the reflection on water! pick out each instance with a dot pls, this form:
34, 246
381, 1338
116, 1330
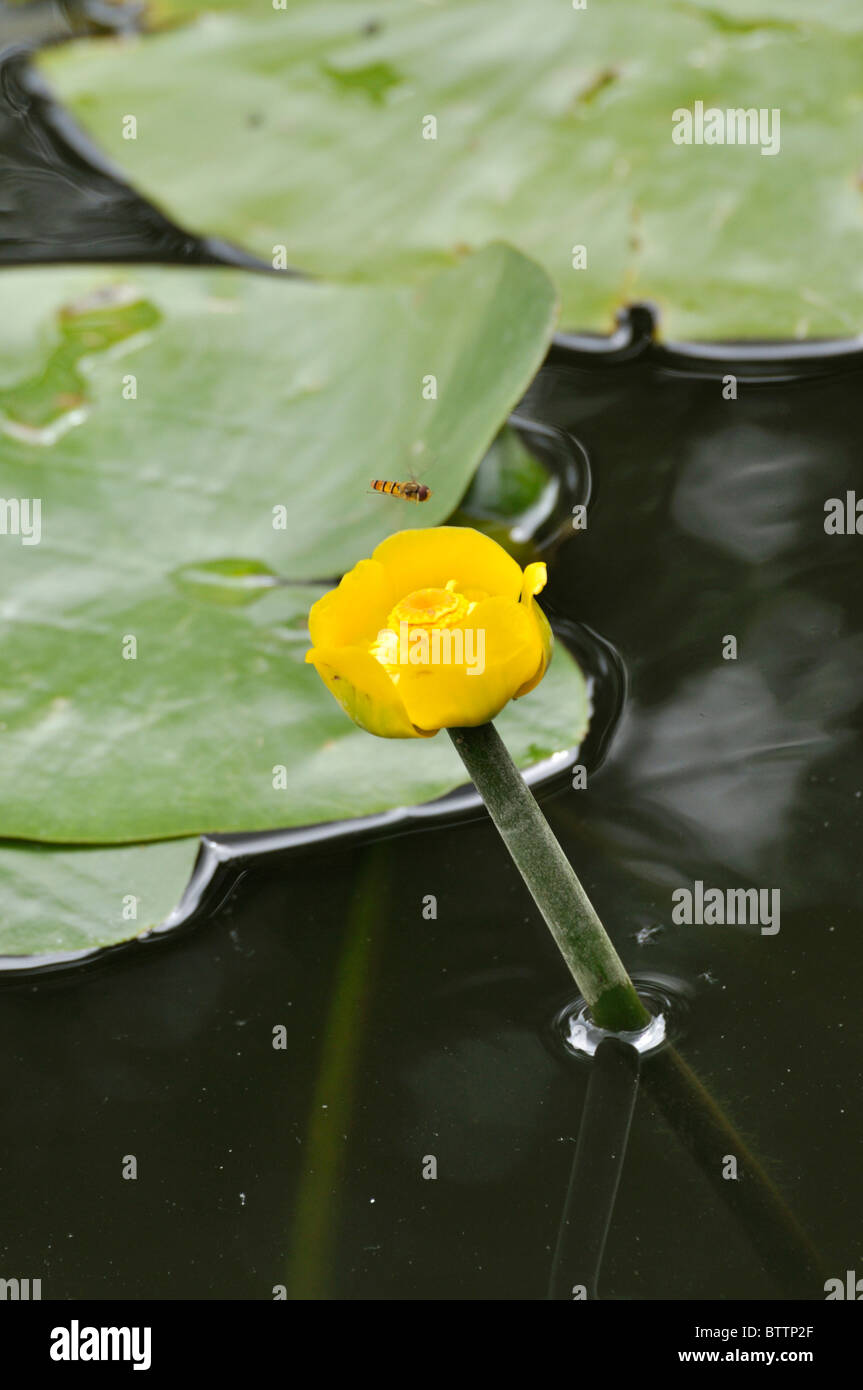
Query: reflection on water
738, 494
707, 761
717, 759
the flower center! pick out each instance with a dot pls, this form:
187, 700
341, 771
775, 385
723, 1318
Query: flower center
415, 621
429, 608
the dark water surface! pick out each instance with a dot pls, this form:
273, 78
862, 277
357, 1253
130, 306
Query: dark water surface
406, 1038
61, 199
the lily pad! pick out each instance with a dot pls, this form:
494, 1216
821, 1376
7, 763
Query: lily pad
153, 679
217, 724
304, 129
248, 419
58, 900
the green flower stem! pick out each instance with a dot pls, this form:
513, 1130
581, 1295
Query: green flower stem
776, 1234
581, 938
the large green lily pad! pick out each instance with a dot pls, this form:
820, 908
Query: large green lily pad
217, 725
153, 671
153, 679
303, 128
55, 900
252, 394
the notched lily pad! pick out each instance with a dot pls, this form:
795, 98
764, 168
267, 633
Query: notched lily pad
552, 128
143, 696
525, 489
509, 482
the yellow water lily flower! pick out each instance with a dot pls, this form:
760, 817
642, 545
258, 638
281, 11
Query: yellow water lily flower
439, 629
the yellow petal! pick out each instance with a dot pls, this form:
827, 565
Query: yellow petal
534, 580
428, 559
364, 690
546, 639
445, 696
356, 610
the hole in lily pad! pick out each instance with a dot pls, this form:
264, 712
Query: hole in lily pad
41, 407
373, 80
524, 490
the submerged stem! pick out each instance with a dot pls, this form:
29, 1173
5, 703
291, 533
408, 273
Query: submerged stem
581, 938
